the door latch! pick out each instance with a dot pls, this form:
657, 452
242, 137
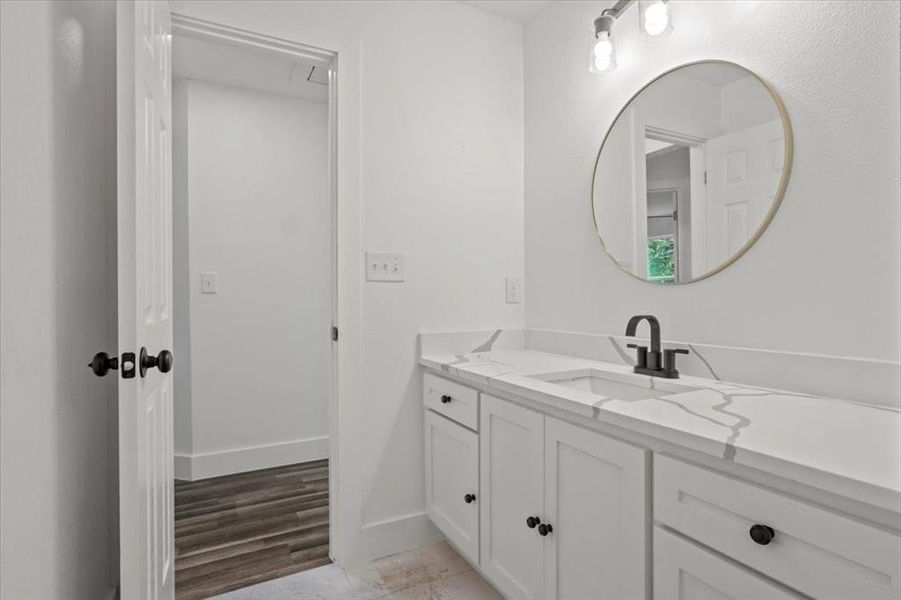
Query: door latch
103, 363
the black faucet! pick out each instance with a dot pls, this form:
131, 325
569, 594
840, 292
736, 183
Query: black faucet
649, 362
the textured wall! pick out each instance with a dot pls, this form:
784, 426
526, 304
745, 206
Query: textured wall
57, 304
825, 276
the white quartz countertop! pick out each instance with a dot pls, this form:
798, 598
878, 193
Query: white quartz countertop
847, 448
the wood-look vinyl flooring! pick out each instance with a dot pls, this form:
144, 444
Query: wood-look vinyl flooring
239, 530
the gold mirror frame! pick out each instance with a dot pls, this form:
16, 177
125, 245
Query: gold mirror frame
777, 199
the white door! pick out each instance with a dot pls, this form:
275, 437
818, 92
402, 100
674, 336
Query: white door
684, 571
597, 500
452, 482
145, 298
744, 169
512, 478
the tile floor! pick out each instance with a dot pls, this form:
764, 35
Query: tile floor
434, 572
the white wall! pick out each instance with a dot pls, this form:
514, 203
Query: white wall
745, 103
57, 299
255, 169
825, 276
430, 164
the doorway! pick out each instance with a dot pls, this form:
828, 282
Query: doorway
674, 181
254, 280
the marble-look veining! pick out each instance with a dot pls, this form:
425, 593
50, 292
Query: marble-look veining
467, 342
848, 448
434, 572
869, 380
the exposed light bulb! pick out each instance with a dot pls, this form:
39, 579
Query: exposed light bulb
656, 18
604, 59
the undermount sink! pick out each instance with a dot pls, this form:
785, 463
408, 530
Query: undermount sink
621, 386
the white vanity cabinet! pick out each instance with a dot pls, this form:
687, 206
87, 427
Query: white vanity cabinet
452, 482
596, 497
820, 553
686, 571
512, 485
452, 462
549, 509
587, 490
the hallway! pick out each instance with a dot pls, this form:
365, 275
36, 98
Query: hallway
238, 530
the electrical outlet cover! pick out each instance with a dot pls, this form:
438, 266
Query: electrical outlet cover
513, 289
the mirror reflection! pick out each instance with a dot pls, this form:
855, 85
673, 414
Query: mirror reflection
691, 172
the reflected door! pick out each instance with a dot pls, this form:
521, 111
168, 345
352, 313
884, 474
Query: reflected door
744, 169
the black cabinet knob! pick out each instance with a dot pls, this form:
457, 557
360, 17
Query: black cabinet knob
544, 529
469, 498
762, 534
163, 361
103, 363
532, 522
445, 399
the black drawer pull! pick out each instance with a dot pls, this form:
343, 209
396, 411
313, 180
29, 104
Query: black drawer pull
469, 498
544, 529
445, 399
532, 522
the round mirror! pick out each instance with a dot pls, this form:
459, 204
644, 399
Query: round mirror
691, 172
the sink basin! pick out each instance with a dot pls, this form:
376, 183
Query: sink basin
621, 386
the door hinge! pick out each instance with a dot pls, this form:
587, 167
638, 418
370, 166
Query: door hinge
705, 177
334, 333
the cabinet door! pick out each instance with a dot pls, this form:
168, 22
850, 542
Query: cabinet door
597, 501
512, 477
685, 571
452, 482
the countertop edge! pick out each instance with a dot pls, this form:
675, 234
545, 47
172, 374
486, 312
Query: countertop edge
882, 498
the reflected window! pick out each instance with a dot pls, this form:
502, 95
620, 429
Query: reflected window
662, 259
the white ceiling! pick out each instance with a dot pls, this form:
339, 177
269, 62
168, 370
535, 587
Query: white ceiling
247, 68
514, 10
718, 74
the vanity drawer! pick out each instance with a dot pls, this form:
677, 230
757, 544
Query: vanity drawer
817, 552
453, 400
686, 571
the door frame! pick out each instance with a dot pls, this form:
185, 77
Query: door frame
697, 147
320, 57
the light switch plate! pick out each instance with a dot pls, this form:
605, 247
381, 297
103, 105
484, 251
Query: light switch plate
385, 266
207, 282
513, 287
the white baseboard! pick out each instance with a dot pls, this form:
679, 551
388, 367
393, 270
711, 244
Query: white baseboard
391, 536
191, 467
183, 467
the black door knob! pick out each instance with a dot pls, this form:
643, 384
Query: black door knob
163, 361
532, 522
103, 363
762, 534
469, 498
445, 399
544, 529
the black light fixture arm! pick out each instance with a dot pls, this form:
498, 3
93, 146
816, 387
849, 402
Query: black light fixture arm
617, 9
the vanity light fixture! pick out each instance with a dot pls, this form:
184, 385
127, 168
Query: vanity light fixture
603, 53
655, 20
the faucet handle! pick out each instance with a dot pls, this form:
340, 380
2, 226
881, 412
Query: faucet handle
669, 361
641, 355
